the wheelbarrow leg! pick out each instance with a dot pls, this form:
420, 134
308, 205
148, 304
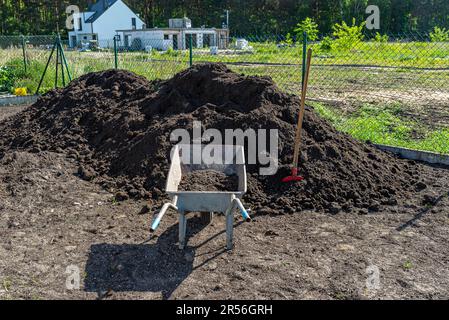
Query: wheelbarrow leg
229, 227
182, 230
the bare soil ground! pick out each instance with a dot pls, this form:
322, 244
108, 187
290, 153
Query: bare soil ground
52, 222
9, 110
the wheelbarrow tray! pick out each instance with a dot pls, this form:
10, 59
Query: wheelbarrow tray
233, 163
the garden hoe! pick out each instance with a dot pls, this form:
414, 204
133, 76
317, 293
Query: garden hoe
294, 173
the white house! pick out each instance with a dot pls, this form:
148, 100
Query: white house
100, 22
176, 36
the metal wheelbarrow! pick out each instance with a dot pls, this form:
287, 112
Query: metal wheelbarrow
186, 158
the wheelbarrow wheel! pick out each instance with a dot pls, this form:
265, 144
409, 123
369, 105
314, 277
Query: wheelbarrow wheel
206, 217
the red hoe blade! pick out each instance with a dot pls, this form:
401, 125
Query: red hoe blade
294, 176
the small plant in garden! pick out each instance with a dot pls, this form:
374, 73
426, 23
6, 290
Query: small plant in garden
348, 36
326, 44
114, 201
309, 26
288, 39
381, 38
172, 53
439, 35
407, 265
7, 284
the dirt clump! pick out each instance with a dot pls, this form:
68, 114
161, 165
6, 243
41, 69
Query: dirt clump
208, 180
117, 126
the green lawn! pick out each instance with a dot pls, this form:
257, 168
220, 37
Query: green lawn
383, 124
393, 54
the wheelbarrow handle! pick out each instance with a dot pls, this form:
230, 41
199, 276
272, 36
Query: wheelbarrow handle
161, 214
243, 211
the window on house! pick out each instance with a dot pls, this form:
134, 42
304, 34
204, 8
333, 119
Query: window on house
94, 37
80, 25
133, 23
166, 37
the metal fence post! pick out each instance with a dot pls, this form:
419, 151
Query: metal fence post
64, 62
115, 52
24, 53
190, 50
304, 55
61, 62
57, 62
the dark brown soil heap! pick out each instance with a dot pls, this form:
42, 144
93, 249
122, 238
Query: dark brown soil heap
208, 180
118, 125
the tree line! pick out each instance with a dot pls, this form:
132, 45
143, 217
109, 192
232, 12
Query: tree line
247, 17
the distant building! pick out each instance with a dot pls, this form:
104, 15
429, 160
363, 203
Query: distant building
100, 22
176, 36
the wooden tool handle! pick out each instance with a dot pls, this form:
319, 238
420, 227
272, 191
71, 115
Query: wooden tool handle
301, 111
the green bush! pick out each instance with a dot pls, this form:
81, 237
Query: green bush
348, 37
31, 78
309, 26
10, 72
439, 35
7, 79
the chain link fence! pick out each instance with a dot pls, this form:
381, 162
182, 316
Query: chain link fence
387, 89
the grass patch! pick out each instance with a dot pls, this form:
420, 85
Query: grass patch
384, 125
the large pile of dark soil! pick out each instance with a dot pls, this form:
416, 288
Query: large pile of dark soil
118, 125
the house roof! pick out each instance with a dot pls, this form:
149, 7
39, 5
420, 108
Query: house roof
99, 8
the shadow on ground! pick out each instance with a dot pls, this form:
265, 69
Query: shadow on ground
159, 267
431, 203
